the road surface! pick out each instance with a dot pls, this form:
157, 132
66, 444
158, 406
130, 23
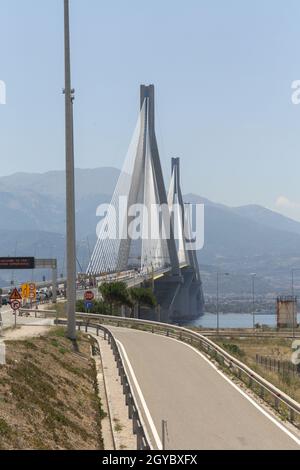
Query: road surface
203, 409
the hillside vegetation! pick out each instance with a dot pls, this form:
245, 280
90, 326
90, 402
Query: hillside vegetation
48, 395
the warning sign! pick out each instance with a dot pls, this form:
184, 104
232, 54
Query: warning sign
25, 291
15, 295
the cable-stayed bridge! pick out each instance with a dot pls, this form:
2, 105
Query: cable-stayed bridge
145, 234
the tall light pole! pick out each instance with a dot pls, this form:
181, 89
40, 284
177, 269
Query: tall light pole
293, 295
253, 276
70, 184
218, 314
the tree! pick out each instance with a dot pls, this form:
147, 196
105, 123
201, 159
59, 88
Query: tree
115, 293
142, 297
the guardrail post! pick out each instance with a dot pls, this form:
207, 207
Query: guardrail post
262, 392
121, 374
79, 326
167, 332
139, 439
97, 331
292, 415
134, 422
276, 403
126, 392
130, 407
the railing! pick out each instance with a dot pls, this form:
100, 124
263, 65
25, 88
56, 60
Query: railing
143, 442
283, 404
280, 367
287, 407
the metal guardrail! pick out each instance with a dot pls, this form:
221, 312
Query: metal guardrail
283, 404
143, 442
287, 407
247, 333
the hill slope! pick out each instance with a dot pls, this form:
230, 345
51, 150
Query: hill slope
49, 401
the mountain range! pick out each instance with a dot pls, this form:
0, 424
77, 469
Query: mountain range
238, 239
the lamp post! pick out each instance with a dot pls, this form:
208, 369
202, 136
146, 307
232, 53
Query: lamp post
293, 295
253, 276
70, 183
218, 314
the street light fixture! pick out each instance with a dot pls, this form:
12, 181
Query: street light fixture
218, 315
253, 276
293, 296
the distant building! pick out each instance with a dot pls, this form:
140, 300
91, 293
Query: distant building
286, 312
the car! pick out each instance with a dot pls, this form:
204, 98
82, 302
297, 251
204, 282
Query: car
5, 300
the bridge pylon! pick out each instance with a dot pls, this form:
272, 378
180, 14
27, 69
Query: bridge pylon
187, 301
156, 250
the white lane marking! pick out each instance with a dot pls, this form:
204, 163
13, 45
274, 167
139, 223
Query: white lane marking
254, 403
142, 399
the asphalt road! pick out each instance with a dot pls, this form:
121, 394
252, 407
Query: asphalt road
203, 410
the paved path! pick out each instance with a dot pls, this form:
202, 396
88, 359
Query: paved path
202, 408
26, 326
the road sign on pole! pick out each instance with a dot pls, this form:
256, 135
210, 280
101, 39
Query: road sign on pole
25, 291
15, 295
17, 263
15, 305
89, 296
88, 305
32, 291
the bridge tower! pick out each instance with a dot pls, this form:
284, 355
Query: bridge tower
190, 300
161, 257
147, 183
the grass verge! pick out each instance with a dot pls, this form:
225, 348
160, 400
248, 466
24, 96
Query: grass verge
48, 395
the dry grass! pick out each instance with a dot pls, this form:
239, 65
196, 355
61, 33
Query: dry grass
48, 395
245, 349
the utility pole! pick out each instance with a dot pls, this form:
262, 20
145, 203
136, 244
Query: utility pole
218, 313
218, 322
253, 275
70, 183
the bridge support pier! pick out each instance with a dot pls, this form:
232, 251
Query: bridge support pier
179, 298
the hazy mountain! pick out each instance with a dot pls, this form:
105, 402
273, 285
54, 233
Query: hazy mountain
268, 217
87, 182
255, 213
239, 239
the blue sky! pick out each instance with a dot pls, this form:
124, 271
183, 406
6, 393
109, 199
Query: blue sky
222, 71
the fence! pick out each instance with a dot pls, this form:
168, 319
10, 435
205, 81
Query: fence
281, 367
